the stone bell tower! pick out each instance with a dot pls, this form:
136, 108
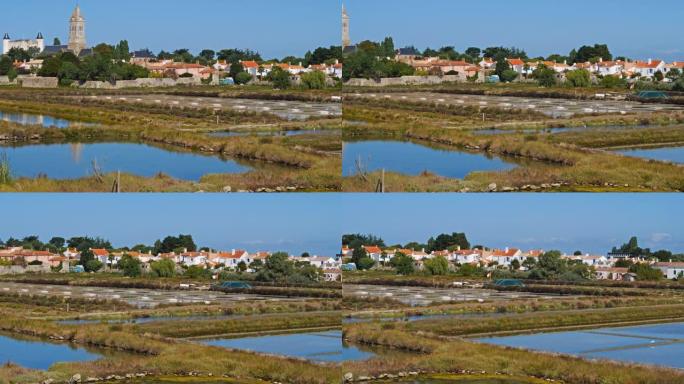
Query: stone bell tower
77, 36
346, 41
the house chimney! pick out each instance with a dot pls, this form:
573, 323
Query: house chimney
600, 59
650, 61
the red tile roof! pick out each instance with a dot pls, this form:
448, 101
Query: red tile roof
100, 252
372, 249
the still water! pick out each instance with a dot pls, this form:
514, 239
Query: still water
671, 154
413, 159
73, 161
660, 344
44, 120
325, 346
35, 354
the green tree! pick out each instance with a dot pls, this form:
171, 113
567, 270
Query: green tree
242, 266
277, 268
358, 253
446, 241
242, 78
674, 74
578, 78
58, 242
646, 272
387, 47
208, 54
234, 69
50, 67
546, 77
658, 76
437, 266
163, 268
313, 80
356, 240
93, 265
5, 65
56, 41
122, 52
365, 263
130, 266
473, 52
175, 243
402, 264
280, 78
508, 75
589, 53
18, 54
197, 272
613, 82
86, 256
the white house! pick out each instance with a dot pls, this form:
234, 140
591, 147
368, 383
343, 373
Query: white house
671, 270
373, 252
465, 256
102, 255
322, 262
649, 68
506, 256
610, 68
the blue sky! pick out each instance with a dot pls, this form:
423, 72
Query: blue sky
568, 222
630, 27
272, 27
315, 222
293, 223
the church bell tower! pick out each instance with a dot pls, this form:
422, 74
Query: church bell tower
77, 36
346, 41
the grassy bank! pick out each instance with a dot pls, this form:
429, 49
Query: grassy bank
549, 321
159, 356
457, 355
237, 326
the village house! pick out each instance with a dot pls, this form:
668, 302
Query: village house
506, 256
322, 262
465, 256
346, 251
671, 270
649, 68
373, 252
612, 273
102, 255
518, 65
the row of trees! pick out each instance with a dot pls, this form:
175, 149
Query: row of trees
107, 63
373, 60
320, 55
474, 54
